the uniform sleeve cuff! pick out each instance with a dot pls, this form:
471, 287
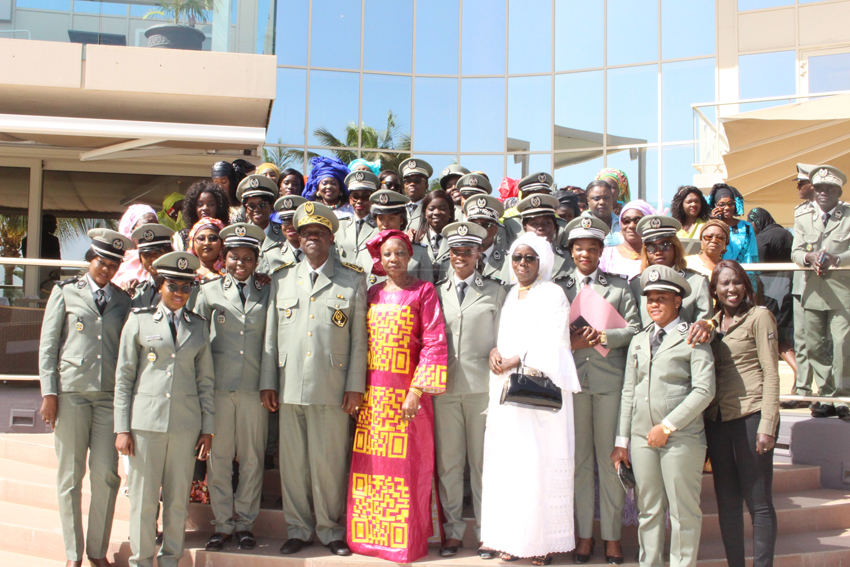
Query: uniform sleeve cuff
666, 423
621, 442
48, 394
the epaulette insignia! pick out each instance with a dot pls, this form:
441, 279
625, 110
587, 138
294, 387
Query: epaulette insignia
683, 327
282, 266
63, 283
354, 267
803, 204
210, 280
144, 309
801, 211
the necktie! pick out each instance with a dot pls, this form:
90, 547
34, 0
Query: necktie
586, 282
435, 242
825, 218
358, 225
298, 254
242, 292
100, 300
461, 292
173, 325
656, 342
313, 277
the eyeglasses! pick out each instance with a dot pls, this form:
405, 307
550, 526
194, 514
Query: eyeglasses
662, 247
207, 238
529, 258
184, 289
460, 253
726, 205
629, 220
261, 206
714, 237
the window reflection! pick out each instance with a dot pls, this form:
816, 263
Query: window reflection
482, 115
436, 115
61, 5
576, 168
529, 36
492, 165
520, 165
291, 36
633, 104
632, 31
641, 167
829, 73
678, 169
386, 111
334, 99
103, 8
530, 113
437, 23
388, 35
335, 37
584, 50
439, 162
579, 107
680, 37
766, 74
483, 37
682, 84
759, 4
286, 124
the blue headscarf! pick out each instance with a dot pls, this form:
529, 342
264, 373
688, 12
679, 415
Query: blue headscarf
323, 167
374, 166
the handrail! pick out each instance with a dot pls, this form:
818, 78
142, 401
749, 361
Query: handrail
767, 99
43, 263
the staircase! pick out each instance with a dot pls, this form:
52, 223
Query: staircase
814, 523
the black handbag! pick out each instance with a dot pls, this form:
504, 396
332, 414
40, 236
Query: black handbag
531, 390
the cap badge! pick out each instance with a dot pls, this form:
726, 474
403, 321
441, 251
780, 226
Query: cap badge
254, 183
411, 164
240, 231
473, 182
182, 264
118, 244
482, 202
148, 235
541, 178
384, 199
654, 223
445, 172
287, 203
462, 230
654, 276
535, 201
359, 176
586, 222
309, 208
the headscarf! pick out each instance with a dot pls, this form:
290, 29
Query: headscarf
323, 167
721, 225
638, 205
204, 223
723, 191
131, 268
622, 180
266, 166
374, 247
374, 166
761, 219
544, 252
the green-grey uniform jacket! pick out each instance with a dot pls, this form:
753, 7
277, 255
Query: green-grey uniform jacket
497, 265
347, 240
563, 264
77, 359
145, 295
698, 305
415, 215
276, 256
832, 290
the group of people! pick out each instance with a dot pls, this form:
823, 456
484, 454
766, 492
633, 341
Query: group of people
369, 327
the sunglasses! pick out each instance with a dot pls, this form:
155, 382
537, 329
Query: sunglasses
261, 206
518, 258
714, 237
460, 253
629, 220
663, 247
175, 288
209, 238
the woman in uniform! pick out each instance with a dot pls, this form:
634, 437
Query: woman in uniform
153, 242
164, 409
668, 385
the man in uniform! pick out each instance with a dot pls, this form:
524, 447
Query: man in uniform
258, 193
472, 305
361, 226
821, 243
473, 184
288, 250
236, 307
415, 173
485, 211
153, 242
539, 183
538, 215
314, 363
77, 357
448, 183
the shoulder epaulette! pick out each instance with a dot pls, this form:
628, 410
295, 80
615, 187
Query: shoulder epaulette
354, 267
419, 244
285, 265
442, 281
210, 280
138, 310
648, 327
63, 283
802, 210
804, 204
197, 315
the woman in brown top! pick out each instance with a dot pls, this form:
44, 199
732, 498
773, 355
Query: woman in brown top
742, 421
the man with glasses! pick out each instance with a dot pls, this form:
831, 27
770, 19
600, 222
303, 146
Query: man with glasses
485, 211
153, 242
472, 305
361, 226
415, 173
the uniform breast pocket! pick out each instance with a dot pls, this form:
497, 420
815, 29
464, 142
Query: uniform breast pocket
337, 312
287, 311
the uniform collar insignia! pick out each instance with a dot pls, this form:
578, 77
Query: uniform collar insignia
570, 282
276, 228
838, 214
257, 284
82, 282
602, 279
497, 255
186, 316
478, 281
683, 327
682, 273
227, 282
157, 316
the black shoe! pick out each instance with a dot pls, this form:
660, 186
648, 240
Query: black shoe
611, 559
339, 547
449, 550
485, 553
823, 410
795, 404
217, 541
246, 540
581, 558
843, 412
294, 545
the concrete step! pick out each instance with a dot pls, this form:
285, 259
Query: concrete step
8, 559
36, 449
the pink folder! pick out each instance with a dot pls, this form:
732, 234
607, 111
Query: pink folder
598, 313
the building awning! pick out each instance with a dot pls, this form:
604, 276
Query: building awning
765, 146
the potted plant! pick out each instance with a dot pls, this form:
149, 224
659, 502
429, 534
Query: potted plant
175, 35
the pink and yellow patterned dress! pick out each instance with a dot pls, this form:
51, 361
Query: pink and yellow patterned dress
390, 495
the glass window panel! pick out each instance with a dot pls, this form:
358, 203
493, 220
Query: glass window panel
641, 167
759, 4
435, 115
582, 51
482, 115
265, 27
683, 84
687, 28
438, 162
388, 35
335, 38
136, 10
633, 105
483, 38
334, 101
766, 74
437, 35
324, 153
829, 73
530, 36
60, 5
579, 105
520, 165
286, 125
677, 163
105, 8
576, 169
530, 113
291, 37
492, 165
632, 31
382, 95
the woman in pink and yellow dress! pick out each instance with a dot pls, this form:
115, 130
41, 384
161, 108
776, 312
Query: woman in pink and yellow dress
391, 496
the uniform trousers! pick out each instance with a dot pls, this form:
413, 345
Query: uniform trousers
829, 372
161, 461
241, 422
742, 476
596, 417
803, 384
669, 477
314, 447
85, 425
459, 438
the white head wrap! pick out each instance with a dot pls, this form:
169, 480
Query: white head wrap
544, 251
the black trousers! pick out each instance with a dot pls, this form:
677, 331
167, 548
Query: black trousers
742, 476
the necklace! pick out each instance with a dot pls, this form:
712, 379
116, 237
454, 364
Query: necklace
526, 287
632, 255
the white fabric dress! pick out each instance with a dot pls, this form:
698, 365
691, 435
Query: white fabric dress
527, 500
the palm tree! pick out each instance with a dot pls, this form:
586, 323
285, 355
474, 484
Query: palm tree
12, 232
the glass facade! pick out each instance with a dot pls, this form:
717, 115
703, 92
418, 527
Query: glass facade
509, 88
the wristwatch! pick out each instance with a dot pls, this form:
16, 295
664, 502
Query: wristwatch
666, 430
